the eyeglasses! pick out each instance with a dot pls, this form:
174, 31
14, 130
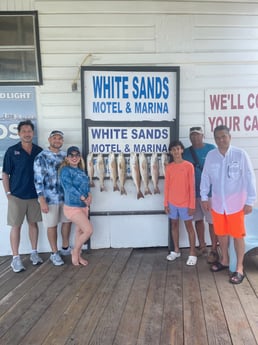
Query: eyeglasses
74, 155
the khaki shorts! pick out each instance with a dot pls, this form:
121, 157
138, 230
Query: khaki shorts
54, 216
19, 208
200, 213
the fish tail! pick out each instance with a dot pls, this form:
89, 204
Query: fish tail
147, 191
140, 195
116, 188
156, 190
123, 191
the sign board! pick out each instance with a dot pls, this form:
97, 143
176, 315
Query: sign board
16, 104
235, 108
126, 110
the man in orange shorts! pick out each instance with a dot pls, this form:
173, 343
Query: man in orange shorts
230, 173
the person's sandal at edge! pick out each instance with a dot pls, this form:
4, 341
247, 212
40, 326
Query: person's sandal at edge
236, 278
218, 266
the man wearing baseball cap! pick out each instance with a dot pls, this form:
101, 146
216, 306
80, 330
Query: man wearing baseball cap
50, 195
196, 154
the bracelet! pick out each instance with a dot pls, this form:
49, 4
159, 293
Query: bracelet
83, 198
8, 193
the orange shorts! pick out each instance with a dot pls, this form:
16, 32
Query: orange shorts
229, 224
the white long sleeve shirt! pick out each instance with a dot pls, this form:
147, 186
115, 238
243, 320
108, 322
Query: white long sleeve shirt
232, 180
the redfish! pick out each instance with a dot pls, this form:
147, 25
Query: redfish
135, 172
121, 168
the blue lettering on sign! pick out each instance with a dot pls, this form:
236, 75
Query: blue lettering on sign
151, 108
150, 87
106, 107
149, 133
110, 86
105, 148
109, 133
149, 148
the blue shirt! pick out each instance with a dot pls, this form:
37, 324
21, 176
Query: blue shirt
18, 164
75, 183
46, 179
201, 154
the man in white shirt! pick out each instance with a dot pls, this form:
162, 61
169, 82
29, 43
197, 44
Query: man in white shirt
230, 173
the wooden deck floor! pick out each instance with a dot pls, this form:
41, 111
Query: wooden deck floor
124, 297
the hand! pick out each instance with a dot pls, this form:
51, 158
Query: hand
43, 205
88, 200
247, 209
166, 209
191, 211
206, 205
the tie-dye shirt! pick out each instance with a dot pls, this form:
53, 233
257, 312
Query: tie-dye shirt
46, 178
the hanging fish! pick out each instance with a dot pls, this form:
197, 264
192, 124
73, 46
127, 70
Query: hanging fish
113, 170
155, 172
101, 171
143, 163
121, 167
90, 168
135, 172
164, 162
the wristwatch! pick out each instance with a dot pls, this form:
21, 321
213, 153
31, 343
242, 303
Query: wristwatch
8, 193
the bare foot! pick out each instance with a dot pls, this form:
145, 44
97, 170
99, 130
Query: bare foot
83, 261
75, 258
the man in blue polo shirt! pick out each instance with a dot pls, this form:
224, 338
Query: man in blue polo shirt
18, 182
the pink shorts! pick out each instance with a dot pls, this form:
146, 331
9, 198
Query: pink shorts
70, 212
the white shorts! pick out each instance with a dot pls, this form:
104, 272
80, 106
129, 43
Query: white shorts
54, 216
200, 213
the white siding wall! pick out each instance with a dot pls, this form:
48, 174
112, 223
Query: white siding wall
214, 43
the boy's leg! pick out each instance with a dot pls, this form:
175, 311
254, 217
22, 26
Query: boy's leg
191, 236
175, 233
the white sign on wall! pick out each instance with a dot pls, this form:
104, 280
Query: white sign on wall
235, 108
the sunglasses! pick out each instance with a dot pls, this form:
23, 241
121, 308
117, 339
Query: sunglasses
74, 155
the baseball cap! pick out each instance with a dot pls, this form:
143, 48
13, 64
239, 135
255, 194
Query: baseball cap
56, 132
196, 130
73, 149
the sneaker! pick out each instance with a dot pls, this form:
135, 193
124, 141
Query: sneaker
35, 258
17, 265
212, 257
65, 252
56, 259
173, 256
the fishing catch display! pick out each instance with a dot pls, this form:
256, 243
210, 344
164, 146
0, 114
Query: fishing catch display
143, 170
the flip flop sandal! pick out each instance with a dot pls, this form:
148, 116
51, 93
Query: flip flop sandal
236, 278
218, 266
192, 260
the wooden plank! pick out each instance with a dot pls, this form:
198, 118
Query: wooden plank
62, 331
18, 319
216, 325
150, 329
172, 332
13, 291
195, 332
237, 322
128, 330
94, 310
55, 311
249, 301
108, 323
